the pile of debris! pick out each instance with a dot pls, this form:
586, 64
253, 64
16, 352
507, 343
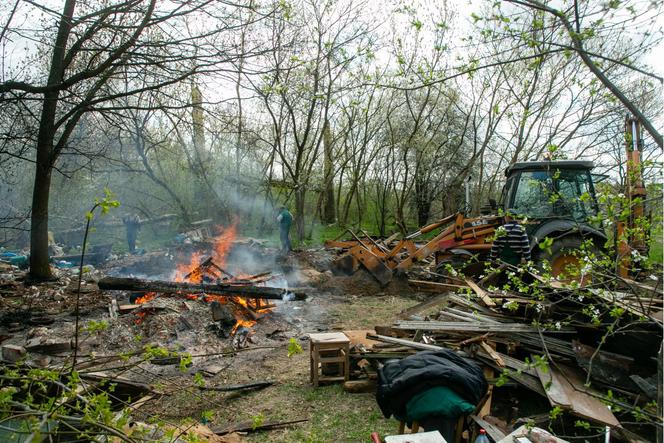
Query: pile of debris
577, 349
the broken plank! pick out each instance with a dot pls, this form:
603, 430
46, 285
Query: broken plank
492, 354
555, 284
123, 309
494, 431
360, 337
617, 298
407, 343
244, 291
481, 293
431, 286
250, 426
526, 380
492, 276
420, 307
441, 326
566, 389
141, 401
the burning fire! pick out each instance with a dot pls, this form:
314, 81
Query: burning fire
140, 316
242, 322
145, 298
184, 269
199, 266
223, 243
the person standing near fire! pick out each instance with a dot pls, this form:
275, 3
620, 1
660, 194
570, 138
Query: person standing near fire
133, 224
285, 220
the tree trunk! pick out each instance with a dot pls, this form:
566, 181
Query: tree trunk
39, 259
300, 195
422, 199
39, 267
328, 215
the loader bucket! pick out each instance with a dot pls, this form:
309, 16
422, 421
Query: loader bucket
372, 263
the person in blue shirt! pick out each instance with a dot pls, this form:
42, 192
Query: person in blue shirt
285, 219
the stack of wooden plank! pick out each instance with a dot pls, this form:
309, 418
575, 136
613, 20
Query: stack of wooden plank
579, 348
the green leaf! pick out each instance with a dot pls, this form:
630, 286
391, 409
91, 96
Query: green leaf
293, 347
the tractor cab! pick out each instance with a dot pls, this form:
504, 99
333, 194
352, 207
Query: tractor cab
550, 190
557, 200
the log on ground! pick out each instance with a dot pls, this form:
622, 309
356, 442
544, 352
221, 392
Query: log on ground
244, 291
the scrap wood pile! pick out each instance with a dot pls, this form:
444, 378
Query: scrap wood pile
578, 349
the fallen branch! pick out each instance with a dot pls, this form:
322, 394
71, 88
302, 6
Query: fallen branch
231, 388
248, 426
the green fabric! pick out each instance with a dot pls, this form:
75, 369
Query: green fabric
508, 255
440, 401
286, 218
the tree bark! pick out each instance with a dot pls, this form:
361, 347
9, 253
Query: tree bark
328, 215
39, 260
300, 195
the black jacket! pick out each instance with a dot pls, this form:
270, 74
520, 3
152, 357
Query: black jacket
399, 380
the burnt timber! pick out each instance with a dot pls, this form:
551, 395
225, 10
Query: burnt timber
225, 289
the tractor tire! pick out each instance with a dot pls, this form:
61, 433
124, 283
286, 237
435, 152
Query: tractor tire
563, 256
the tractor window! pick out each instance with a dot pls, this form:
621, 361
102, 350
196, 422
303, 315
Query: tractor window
504, 194
574, 194
533, 195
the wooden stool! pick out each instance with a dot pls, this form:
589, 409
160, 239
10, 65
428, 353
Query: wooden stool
327, 348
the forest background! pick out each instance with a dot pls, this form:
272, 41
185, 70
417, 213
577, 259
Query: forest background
354, 114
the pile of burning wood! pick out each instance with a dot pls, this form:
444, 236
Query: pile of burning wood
237, 300
589, 354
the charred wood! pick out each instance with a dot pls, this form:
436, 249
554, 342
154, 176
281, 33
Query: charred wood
244, 291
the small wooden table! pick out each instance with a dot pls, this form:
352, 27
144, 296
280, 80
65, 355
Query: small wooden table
326, 348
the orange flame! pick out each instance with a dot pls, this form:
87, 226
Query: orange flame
223, 243
140, 316
242, 322
184, 269
145, 298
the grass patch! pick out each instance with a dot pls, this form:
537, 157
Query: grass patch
334, 416
361, 312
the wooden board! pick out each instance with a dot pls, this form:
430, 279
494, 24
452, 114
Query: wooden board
566, 389
494, 431
420, 307
481, 293
471, 327
359, 337
407, 343
526, 431
432, 286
